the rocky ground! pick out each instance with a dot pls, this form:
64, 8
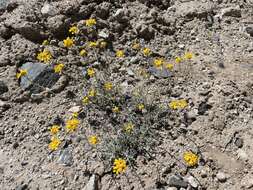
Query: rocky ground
218, 88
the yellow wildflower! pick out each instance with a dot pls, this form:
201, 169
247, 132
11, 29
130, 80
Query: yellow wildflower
75, 115
72, 124
190, 159
178, 60
54, 144
90, 22
22, 72
178, 104
58, 68
136, 46
91, 72
103, 44
45, 42
73, 30
108, 86
120, 166
44, 56
83, 53
115, 109
120, 53
68, 42
54, 129
169, 66
91, 93
140, 107
128, 127
146, 51
93, 44
93, 140
158, 63
188, 55
86, 100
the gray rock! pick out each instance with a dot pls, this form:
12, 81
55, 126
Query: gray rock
193, 181
177, 181
92, 184
160, 73
242, 155
3, 4
247, 181
22, 187
66, 157
3, 88
239, 142
221, 177
249, 30
48, 10
231, 11
130, 72
144, 31
171, 188
103, 9
104, 34
39, 76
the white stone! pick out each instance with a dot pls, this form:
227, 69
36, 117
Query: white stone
75, 109
48, 9
92, 184
193, 181
242, 155
221, 176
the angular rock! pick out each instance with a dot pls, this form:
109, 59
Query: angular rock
194, 8
92, 184
249, 30
160, 73
66, 157
48, 10
193, 181
3, 88
221, 177
231, 11
144, 31
177, 181
39, 76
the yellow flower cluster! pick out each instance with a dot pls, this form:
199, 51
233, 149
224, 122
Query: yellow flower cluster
120, 53
91, 72
54, 129
108, 86
93, 44
68, 42
140, 107
128, 127
58, 68
73, 30
120, 166
72, 124
44, 56
93, 140
90, 22
190, 159
83, 53
115, 109
158, 63
178, 104
22, 72
146, 51
55, 143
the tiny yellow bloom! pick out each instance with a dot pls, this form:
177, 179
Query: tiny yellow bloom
86, 100
169, 66
188, 55
58, 68
140, 107
45, 42
146, 51
136, 46
115, 109
90, 22
178, 104
75, 115
128, 127
178, 60
93, 140
93, 44
91, 93
91, 72
44, 56
120, 166
73, 30
54, 129
158, 63
103, 44
83, 53
54, 144
120, 53
190, 159
72, 124
108, 86
22, 72
68, 42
